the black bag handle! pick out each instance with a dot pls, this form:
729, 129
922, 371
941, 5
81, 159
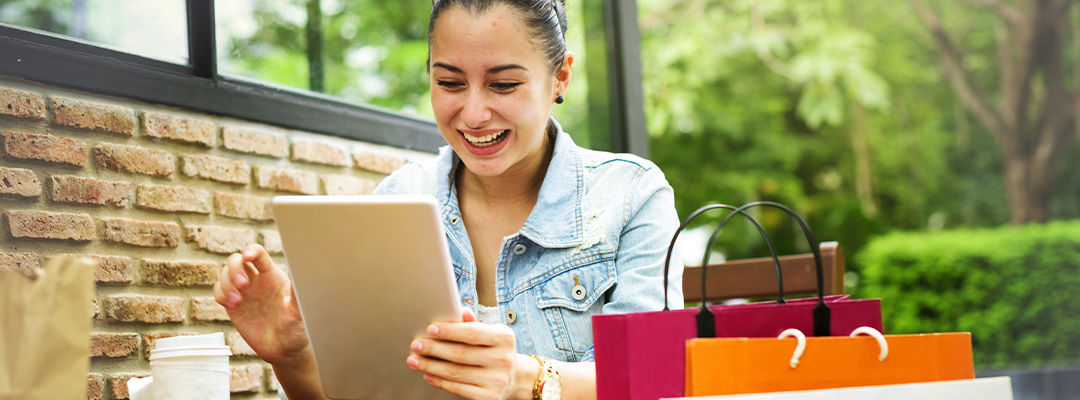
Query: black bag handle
702, 210
822, 315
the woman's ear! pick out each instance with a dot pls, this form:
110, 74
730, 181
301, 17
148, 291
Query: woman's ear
562, 76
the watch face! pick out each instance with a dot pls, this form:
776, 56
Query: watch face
552, 389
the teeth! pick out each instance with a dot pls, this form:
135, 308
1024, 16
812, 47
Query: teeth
484, 140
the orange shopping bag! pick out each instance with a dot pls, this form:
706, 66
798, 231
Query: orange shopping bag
754, 365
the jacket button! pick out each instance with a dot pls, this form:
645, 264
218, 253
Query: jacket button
578, 292
454, 220
520, 249
511, 316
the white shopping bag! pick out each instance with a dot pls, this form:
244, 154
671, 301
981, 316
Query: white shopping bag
996, 388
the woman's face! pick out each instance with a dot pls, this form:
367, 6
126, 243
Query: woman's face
491, 89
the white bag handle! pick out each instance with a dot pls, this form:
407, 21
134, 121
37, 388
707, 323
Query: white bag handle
866, 330
800, 346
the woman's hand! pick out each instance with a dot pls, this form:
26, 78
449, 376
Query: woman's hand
473, 360
262, 306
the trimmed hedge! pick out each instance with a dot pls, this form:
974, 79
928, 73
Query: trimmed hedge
1016, 289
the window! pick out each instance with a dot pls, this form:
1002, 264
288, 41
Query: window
364, 79
155, 29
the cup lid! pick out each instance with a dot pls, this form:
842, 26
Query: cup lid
213, 339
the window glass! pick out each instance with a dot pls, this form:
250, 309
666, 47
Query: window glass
155, 29
374, 52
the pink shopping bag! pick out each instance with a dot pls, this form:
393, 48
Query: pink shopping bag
641, 356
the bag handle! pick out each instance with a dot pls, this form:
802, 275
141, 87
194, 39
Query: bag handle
702, 210
822, 315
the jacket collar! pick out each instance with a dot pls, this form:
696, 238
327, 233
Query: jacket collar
555, 221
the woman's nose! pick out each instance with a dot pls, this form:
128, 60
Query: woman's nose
476, 112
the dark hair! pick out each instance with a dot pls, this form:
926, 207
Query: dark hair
546, 19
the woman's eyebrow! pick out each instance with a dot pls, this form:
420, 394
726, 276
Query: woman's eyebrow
492, 70
448, 67
501, 68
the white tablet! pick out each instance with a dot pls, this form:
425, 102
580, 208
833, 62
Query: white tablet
370, 273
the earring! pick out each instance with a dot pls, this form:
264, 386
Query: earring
559, 100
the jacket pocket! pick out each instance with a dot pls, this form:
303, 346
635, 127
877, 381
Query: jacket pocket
570, 299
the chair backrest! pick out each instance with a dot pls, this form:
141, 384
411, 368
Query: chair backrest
756, 277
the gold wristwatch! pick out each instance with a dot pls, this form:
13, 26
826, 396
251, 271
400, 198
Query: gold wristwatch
548, 384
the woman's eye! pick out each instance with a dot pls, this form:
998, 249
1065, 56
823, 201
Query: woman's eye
504, 86
450, 84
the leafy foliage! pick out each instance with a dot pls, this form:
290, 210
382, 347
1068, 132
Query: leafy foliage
1011, 287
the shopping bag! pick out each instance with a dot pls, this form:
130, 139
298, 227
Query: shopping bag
996, 388
45, 330
641, 356
716, 366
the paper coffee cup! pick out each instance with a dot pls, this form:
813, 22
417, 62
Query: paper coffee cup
191, 367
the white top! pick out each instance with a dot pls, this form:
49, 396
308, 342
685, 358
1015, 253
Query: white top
489, 315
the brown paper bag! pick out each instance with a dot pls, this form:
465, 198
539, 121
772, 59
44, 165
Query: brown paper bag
45, 330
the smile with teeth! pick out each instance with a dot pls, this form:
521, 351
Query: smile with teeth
485, 141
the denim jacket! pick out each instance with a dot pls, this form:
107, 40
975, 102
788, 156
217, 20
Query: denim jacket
594, 244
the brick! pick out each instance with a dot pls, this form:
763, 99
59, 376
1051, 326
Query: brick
110, 269
287, 180
146, 309
48, 225
207, 309
22, 262
271, 379
216, 239
83, 190
49, 148
19, 182
114, 345
180, 273
142, 233
347, 185
135, 159
246, 378
238, 345
149, 339
271, 240
255, 141
181, 129
95, 386
20, 104
320, 153
378, 160
118, 384
243, 207
93, 116
173, 199
216, 168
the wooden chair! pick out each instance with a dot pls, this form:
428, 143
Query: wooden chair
756, 277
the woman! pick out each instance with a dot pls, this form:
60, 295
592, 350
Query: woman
543, 233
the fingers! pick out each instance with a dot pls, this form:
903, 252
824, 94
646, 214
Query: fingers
473, 333
464, 380
461, 353
467, 315
461, 389
258, 257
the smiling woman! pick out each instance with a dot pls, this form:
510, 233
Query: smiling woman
543, 234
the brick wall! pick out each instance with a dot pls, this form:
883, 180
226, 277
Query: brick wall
158, 197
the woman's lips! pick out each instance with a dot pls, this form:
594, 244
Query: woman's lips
485, 142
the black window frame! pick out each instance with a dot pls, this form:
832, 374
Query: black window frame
65, 62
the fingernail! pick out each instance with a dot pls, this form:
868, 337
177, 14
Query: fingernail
417, 346
234, 298
429, 379
249, 253
240, 279
412, 361
433, 329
